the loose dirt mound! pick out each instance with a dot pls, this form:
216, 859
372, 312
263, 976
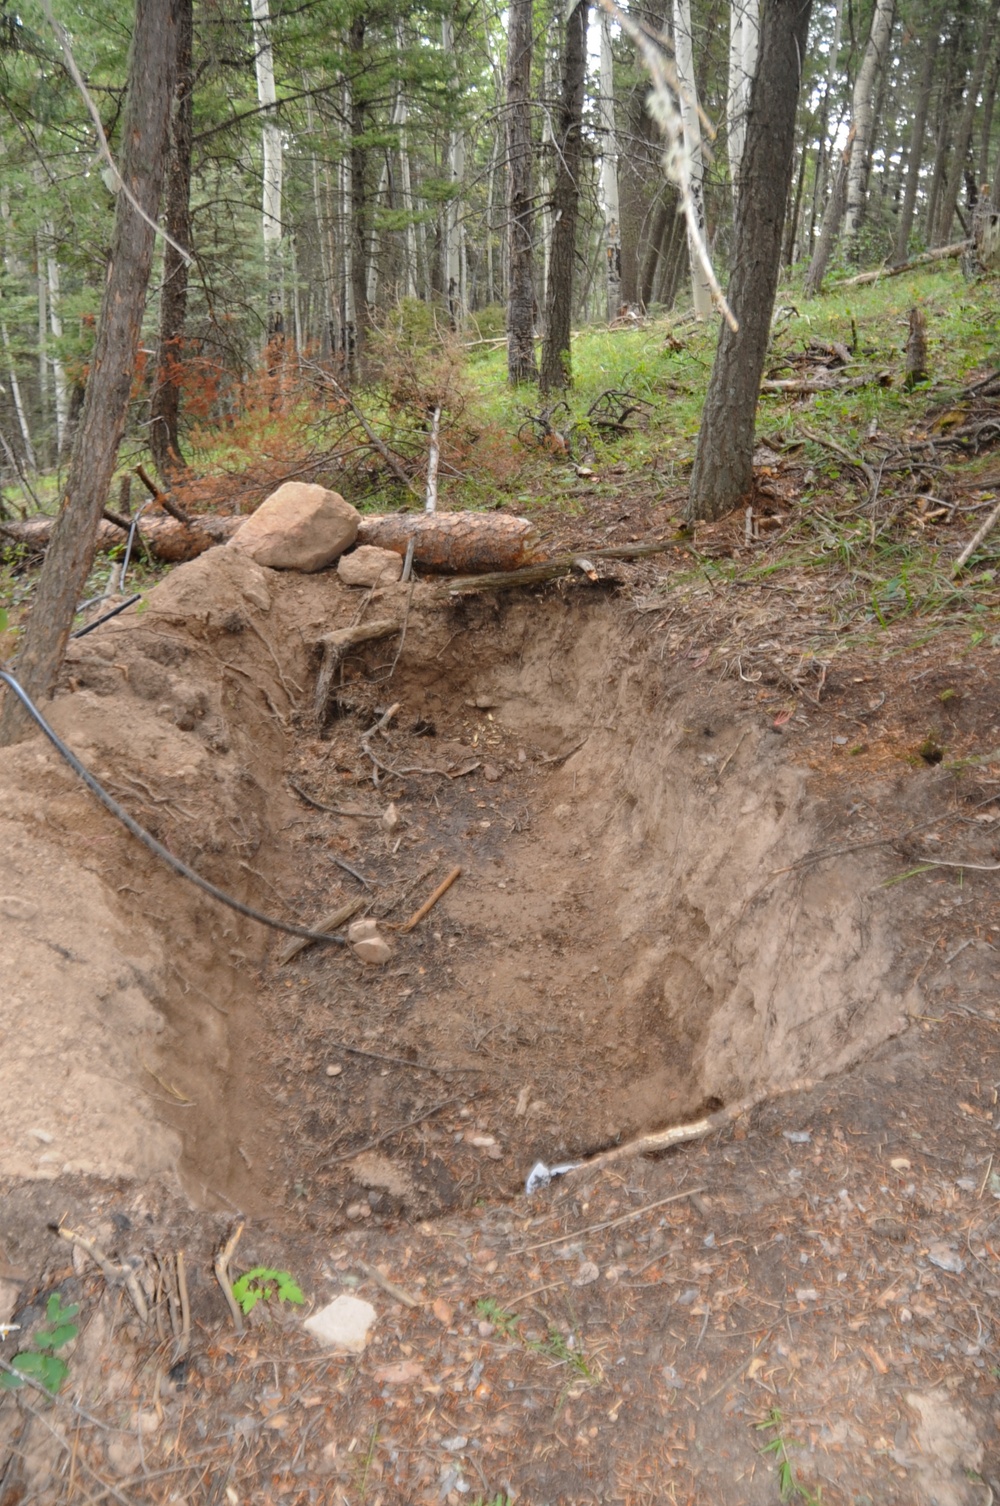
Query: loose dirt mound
642, 928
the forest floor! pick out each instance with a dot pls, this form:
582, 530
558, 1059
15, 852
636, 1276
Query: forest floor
727, 819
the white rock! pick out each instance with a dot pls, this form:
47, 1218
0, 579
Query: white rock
373, 949
298, 527
362, 930
370, 566
343, 1324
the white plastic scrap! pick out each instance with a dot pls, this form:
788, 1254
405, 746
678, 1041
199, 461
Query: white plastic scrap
541, 1175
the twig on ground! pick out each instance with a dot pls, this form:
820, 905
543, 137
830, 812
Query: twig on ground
976, 540
429, 904
222, 1260
113, 1274
184, 1343
329, 922
353, 872
332, 810
838, 449
399, 1061
335, 645
610, 1223
351, 1155
387, 1285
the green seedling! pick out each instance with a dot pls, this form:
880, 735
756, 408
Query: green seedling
505, 1323
789, 1486
41, 1362
264, 1285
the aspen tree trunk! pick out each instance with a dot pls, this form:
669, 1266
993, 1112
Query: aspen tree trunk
915, 156
454, 234
345, 219
145, 136
556, 371
723, 467
701, 292
273, 167
744, 42
43, 332
609, 175
863, 115
60, 386
409, 278
550, 88
521, 365
164, 415
825, 146
14, 271
327, 279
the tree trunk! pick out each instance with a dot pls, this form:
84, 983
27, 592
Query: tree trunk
151, 78
521, 365
744, 44
863, 115
701, 292
824, 149
830, 228
164, 442
915, 156
556, 369
59, 382
655, 249
455, 270
609, 176
723, 466
273, 167
963, 135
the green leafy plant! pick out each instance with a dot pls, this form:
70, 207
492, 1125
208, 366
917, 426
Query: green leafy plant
789, 1486
41, 1362
264, 1285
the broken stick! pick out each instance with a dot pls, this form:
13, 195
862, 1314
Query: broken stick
429, 904
335, 645
976, 540
222, 1260
329, 922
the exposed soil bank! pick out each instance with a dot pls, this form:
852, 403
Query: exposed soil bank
642, 927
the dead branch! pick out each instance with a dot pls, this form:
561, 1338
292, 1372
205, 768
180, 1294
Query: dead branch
329, 922
335, 645
429, 904
546, 570
976, 540
678, 1134
940, 254
373, 439
161, 497
113, 1274
222, 1260
838, 449
433, 457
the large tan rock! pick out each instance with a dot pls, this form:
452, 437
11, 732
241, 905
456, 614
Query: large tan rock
369, 566
298, 527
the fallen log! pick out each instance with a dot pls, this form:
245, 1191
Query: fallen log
539, 573
445, 543
941, 253
167, 540
450, 543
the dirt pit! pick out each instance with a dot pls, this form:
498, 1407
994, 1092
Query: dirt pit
662, 907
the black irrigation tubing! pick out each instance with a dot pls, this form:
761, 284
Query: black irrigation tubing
150, 841
82, 632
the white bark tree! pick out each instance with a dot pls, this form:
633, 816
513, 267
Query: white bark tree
744, 43
273, 164
609, 174
863, 115
59, 384
701, 290
454, 236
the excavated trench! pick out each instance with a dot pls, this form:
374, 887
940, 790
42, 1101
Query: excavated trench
634, 936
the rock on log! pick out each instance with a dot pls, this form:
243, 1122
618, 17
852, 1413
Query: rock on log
456, 543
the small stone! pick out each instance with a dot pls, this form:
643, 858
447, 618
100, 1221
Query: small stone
491, 773
443, 1311
390, 818
362, 930
343, 1324
357, 1211
334, 1069
587, 1274
369, 566
374, 950
299, 527
42, 1135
